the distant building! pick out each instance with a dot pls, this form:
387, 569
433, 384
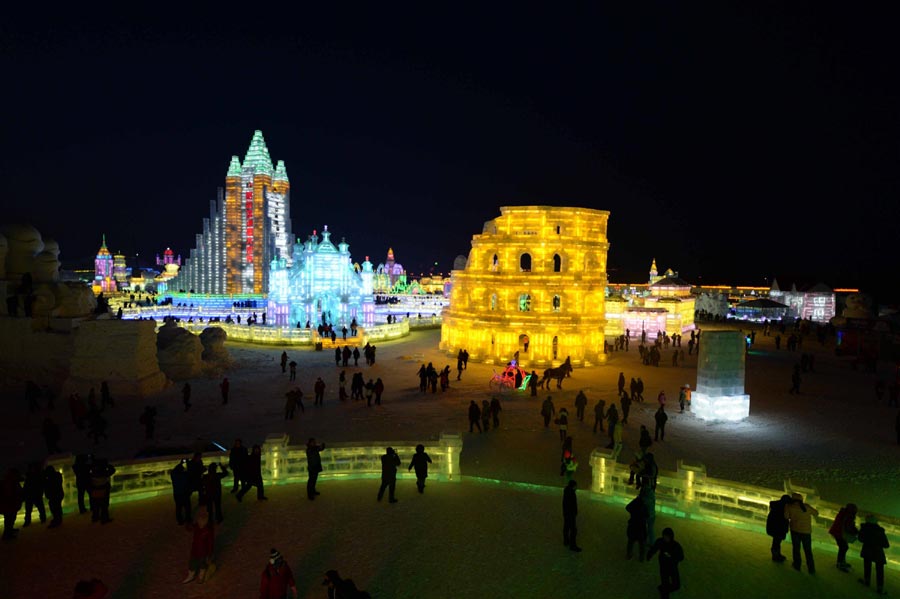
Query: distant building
120, 270
814, 302
168, 257
104, 282
389, 275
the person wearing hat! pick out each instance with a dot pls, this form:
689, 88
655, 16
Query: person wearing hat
277, 579
800, 516
390, 461
874, 542
670, 555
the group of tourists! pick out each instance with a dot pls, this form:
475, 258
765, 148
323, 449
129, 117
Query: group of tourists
791, 514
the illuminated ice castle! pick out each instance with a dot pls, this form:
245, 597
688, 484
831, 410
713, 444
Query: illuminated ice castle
534, 283
248, 227
104, 282
320, 285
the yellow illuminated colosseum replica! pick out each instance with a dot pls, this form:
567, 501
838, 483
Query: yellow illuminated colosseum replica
534, 283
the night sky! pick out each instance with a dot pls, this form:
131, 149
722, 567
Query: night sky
733, 144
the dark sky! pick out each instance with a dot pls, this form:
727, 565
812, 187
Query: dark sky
733, 144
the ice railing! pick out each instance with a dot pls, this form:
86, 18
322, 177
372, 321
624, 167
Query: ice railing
281, 464
277, 335
689, 493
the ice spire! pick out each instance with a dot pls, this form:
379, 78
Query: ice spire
281, 172
234, 169
257, 156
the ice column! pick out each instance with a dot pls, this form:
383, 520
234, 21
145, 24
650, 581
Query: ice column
720, 377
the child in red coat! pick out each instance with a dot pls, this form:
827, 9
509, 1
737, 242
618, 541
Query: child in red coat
201, 546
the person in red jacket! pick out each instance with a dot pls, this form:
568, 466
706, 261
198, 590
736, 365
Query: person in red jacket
277, 579
201, 546
844, 531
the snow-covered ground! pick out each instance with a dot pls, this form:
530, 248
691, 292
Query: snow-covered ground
466, 540
833, 436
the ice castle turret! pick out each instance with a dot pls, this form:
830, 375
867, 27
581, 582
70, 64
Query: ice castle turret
319, 285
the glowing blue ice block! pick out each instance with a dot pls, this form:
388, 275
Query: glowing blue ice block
720, 377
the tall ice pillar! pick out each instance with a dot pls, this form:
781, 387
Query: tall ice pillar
720, 377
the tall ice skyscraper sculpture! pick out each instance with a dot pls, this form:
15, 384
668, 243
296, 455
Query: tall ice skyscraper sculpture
248, 227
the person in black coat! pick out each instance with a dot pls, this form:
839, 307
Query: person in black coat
661, 417
180, 493
313, 466
252, 476
474, 416
82, 470
777, 526
101, 487
420, 461
195, 471
236, 461
212, 490
637, 527
670, 555
390, 461
34, 493
570, 511
874, 542
53, 490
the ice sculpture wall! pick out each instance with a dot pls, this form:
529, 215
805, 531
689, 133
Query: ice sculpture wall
720, 377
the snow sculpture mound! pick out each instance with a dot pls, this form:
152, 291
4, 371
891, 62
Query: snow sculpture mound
120, 352
24, 243
214, 352
179, 352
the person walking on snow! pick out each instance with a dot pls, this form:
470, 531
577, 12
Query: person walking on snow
420, 461
661, 417
474, 416
548, 410
237, 459
640, 390
874, 542
253, 475
390, 461
277, 580
186, 396
636, 531
495, 412
570, 511
670, 555
313, 466
284, 361
661, 398
581, 402
621, 382
599, 414
485, 415
625, 402
563, 422
319, 389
